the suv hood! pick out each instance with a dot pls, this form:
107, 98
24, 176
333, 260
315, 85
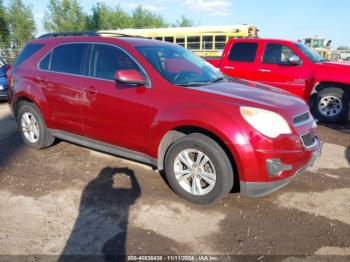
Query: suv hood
254, 94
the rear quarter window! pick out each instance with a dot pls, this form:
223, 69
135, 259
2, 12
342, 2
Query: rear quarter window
45, 62
243, 52
28, 51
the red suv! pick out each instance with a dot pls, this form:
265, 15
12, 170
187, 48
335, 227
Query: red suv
158, 103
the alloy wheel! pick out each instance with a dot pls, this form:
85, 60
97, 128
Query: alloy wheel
30, 127
195, 172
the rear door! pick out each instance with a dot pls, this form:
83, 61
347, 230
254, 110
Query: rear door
240, 60
275, 69
62, 72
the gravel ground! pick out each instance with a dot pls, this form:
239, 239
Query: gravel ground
71, 200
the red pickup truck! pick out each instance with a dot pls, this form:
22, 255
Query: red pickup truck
294, 67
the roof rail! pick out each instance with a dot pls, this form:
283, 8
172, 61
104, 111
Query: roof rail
103, 33
60, 34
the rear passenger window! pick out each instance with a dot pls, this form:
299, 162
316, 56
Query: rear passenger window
69, 58
106, 60
243, 52
28, 51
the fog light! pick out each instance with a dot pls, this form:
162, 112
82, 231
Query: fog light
274, 166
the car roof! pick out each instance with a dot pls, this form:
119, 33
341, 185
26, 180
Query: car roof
276, 40
133, 41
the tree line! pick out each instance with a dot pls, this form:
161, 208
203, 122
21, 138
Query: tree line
17, 23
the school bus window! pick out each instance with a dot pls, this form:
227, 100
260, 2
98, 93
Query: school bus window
180, 41
188, 37
193, 42
234, 37
207, 42
169, 39
220, 41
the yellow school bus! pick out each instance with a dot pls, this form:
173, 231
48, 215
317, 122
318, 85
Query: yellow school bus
206, 41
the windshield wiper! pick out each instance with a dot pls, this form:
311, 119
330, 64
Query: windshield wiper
194, 84
217, 79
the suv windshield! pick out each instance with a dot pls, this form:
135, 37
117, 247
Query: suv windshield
180, 66
310, 53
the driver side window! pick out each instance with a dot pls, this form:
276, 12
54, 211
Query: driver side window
106, 60
277, 54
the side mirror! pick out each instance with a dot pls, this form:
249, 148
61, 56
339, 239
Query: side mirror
130, 77
294, 60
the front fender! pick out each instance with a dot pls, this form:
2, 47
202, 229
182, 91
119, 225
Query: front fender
213, 120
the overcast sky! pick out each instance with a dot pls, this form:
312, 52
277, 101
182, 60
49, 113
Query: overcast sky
288, 19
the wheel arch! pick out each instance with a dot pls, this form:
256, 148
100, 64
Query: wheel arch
26, 91
16, 103
178, 132
319, 86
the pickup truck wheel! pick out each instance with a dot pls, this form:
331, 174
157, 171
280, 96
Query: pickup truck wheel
198, 169
331, 105
32, 128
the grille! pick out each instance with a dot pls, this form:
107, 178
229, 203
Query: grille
300, 119
308, 139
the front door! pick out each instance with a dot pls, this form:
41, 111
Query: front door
276, 70
112, 112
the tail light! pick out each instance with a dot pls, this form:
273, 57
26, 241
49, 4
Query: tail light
9, 78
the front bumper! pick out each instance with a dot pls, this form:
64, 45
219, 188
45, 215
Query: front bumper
258, 189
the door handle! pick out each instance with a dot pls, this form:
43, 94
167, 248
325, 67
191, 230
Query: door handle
229, 67
264, 70
91, 90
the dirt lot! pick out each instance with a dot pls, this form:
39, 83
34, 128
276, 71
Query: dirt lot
71, 200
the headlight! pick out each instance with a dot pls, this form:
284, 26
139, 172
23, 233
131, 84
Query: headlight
266, 122
2, 87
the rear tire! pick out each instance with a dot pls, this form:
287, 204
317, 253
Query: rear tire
206, 176
331, 105
32, 127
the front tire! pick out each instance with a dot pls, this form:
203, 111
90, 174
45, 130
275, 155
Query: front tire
198, 169
331, 105
32, 127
